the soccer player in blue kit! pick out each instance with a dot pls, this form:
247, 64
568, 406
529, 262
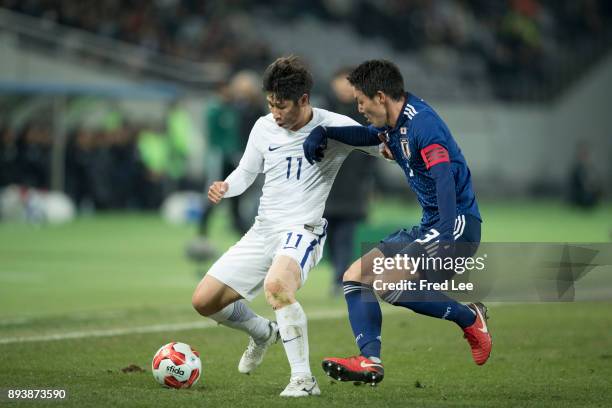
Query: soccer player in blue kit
419, 141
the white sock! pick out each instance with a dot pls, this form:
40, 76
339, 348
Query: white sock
239, 316
294, 333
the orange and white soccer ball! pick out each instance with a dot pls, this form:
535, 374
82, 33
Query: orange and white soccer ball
176, 365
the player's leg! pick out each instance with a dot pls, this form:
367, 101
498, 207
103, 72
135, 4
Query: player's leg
281, 284
366, 321
221, 303
237, 275
364, 311
363, 308
427, 302
470, 318
299, 250
212, 295
415, 244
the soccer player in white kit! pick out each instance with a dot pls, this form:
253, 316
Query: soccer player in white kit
286, 241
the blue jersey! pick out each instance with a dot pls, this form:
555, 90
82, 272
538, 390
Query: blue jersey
420, 140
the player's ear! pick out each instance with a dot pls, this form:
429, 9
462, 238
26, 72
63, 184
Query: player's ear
303, 101
381, 97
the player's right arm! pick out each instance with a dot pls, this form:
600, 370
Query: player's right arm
244, 175
217, 191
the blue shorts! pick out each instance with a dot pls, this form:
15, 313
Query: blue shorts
420, 241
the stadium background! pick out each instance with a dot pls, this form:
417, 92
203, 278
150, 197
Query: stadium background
110, 103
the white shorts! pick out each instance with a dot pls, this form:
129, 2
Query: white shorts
245, 265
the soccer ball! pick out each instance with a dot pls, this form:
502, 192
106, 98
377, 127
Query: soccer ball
176, 365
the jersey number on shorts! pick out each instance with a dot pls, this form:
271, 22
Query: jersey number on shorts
299, 169
298, 238
429, 236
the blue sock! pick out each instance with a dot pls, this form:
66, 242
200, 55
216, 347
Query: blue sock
433, 303
365, 317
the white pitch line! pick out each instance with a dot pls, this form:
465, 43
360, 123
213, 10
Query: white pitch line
158, 328
108, 332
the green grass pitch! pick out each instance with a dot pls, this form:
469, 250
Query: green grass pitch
65, 290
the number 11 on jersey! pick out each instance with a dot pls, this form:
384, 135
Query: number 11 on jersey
299, 164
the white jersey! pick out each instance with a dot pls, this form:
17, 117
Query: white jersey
294, 191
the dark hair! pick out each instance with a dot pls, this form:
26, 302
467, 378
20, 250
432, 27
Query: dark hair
287, 78
378, 75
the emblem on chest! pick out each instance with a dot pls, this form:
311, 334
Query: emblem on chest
405, 145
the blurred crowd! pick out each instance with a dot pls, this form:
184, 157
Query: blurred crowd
524, 43
113, 162
191, 29
104, 167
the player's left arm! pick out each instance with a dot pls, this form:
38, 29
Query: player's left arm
368, 146
316, 142
433, 149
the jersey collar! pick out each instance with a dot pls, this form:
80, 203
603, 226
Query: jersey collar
403, 116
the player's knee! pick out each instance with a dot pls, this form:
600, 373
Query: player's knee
353, 273
203, 304
273, 286
198, 303
277, 294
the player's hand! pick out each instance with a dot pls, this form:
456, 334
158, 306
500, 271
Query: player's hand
216, 191
315, 144
383, 147
385, 152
